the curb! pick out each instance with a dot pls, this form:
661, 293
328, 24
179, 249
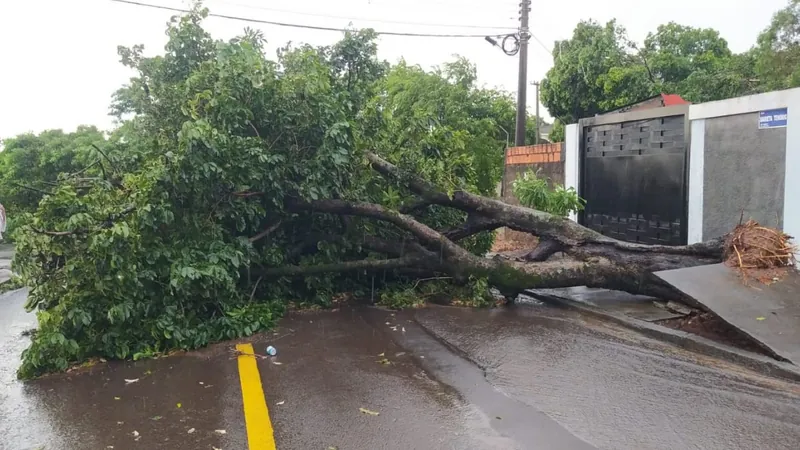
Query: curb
687, 341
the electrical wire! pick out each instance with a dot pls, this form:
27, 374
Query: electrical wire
308, 27
396, 22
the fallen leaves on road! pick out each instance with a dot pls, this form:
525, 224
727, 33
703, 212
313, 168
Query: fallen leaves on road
399, 354
761, 318
156, 418
191, 430
117, 398
135, 380
200, 382
178, 405
384, 361
277, 363
220, 431
135, 434
120, 422
369, 412
382, 355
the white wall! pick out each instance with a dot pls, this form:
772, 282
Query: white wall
696, 161
572, 161
753, 103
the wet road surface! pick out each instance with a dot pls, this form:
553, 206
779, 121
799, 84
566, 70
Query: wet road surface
620, 390
542, 378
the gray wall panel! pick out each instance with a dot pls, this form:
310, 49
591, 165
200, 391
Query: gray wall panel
744, 170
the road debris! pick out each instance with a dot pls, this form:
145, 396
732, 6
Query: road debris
272, 351
191, 430
220, 432
281, 402
135, 380
369, 412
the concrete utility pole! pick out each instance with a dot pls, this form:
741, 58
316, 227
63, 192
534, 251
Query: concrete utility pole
538, 128
522, 85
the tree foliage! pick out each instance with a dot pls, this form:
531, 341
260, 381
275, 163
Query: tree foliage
777, 53
30, 165
202, 193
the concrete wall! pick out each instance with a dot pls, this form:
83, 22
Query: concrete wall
740, 164
736, 166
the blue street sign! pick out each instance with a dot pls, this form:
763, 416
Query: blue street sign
773, 118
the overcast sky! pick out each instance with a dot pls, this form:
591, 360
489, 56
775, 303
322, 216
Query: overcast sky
58, 61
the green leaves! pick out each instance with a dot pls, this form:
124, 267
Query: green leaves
534, 191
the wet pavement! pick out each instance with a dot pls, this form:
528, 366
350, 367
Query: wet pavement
439, 378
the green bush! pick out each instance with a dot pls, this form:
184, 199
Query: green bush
534, 191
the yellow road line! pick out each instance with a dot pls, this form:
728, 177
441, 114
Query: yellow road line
256, 415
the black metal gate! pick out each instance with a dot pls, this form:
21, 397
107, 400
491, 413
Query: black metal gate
634, 172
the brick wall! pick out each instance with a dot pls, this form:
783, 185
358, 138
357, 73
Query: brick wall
549, 160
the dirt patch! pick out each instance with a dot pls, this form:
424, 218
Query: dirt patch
506, 240
713, 328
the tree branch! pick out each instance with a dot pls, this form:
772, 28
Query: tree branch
472, 226
364, 264
544, 250
426, 235
266, 232
106, 157
559, 229
33, 189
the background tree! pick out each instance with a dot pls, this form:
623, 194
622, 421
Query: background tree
600, 69
777, 53
572, 88
30, 165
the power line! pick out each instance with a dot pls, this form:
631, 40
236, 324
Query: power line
329, 16
308, 27
456, 4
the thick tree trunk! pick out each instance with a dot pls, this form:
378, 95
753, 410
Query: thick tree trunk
594, 260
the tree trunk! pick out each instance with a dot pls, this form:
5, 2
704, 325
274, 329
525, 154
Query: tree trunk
594, 260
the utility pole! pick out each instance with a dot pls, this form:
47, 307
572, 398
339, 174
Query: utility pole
536, 83
522, 85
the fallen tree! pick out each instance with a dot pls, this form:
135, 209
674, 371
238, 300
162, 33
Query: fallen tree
237, 185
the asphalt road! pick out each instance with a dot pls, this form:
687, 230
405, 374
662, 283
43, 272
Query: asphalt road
439, 378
